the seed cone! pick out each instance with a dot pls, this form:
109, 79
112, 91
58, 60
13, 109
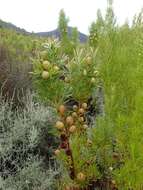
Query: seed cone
57, 152
84, 106
46, 65
59, 125
81, 111
62, 109
81, 177
69, 120
72, 129
45, 75
75, 107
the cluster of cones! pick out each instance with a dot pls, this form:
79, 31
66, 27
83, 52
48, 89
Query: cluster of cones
69, 124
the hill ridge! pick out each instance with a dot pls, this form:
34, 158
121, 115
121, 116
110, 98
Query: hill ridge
52, 33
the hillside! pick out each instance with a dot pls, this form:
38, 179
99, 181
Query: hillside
11, 26
56, 33
53, 33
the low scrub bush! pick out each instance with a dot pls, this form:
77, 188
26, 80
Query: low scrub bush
26, 146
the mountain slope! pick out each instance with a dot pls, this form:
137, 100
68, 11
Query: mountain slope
56, 33
11, 26
53, 33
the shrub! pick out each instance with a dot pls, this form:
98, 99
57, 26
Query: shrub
16, 51
26, 146
70, 95
31, 177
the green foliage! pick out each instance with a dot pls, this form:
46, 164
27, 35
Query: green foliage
63, 25
16, 51
93, 38
69, 41
121, 74
110, 20
77, 78
82, 76
75, 36
52, 89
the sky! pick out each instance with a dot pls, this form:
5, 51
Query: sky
42, 15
